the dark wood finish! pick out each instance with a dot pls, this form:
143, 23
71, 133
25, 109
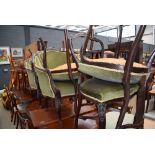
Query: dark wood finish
17, 106
138, 123
126, 78
57, 99
118, 44
113, 66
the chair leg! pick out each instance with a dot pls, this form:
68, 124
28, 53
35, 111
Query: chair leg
147, 105
17, 122
77, 109
58, 110
12, 115
15, 117
102, 115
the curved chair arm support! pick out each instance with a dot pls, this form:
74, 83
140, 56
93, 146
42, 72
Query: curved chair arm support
101, 44
82, 51
53, 86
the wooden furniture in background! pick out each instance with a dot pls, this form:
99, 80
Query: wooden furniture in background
34, 47
125, 48
18, 76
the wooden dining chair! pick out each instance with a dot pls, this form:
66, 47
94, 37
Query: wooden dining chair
103, 53
17, 105
54, 80
113, 79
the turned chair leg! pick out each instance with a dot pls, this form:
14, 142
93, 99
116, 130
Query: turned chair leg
101, 107
15, 117
58, 110
77, 110
17, 122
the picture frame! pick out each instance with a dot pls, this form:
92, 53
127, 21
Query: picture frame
4, 53
16, 52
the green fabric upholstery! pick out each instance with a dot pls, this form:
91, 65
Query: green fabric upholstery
66, 87
31, 77
64, 76
112, 118
55, 59
102, 91
107, 74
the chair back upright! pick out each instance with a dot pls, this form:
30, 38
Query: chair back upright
126, 80
118, 44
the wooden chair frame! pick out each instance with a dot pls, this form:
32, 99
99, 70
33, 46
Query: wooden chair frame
56, 91
138, 119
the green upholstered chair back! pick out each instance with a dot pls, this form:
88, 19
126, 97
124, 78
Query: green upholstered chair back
54, 58
31, 77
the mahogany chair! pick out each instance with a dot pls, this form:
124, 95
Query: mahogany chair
16, 106
100, 53
113, 79
55, 83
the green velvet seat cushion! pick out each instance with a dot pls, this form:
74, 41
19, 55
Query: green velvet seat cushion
102, 91
107, 74
112, 118
66, 87
64, 76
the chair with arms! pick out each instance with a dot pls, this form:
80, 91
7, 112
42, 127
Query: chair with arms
113, 79
54, 84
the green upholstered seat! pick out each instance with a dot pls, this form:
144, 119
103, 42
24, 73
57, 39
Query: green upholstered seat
55, 59
66, 87
102, 91
107, 74
31, 77
112, 118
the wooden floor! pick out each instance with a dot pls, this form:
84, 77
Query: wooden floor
68, 114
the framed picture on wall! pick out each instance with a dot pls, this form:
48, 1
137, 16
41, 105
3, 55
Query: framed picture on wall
16, 52
4, 53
